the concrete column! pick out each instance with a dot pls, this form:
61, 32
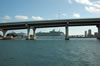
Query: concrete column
34, 35
98, 36
4, 33
66, 32
28, 33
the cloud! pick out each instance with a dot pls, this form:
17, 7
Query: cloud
97, 2
37, 18
90, 6
76, 15
6, 18
89, 3
86, 2
70, 1
92, 9
21, 17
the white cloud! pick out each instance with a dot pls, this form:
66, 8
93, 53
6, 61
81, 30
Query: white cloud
86, 2
92, 9
21, 17
6, 17
76, 15
97, 2
70, 1
90, 6
36, 18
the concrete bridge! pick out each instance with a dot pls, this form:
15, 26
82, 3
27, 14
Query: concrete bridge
4, 27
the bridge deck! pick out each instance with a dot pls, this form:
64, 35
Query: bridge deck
50, 23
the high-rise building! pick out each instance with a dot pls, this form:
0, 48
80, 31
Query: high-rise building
89, 33
86, 34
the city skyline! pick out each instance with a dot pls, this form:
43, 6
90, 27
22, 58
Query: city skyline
87, 33
30, 10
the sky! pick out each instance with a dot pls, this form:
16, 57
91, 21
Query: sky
33, 10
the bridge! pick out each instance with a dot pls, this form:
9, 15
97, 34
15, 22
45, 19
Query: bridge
4, 27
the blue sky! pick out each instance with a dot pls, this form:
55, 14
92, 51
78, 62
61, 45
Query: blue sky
31, 10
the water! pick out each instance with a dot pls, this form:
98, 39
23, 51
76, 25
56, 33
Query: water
74, 52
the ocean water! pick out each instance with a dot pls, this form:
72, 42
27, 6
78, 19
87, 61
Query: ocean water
73, 52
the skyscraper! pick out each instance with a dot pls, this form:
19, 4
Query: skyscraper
86, 34
89, 33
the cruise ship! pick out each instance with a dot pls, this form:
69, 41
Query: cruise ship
51, 33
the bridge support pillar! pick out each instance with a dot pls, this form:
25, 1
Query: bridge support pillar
28, 33
66, 32
98, 36
34, 35
4, 33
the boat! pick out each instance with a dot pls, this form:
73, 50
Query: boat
51, 33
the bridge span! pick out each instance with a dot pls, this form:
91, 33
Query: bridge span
4, 27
